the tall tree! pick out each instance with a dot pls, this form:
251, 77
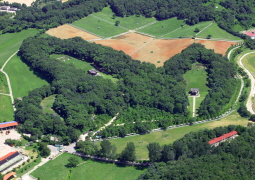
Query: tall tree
154, 152
128, 154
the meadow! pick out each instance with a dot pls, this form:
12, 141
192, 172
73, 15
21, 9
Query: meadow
130, 22
6, 110
163, 27
171, 135
22, 78
249, 62
56, 170
47, 104
98, 27
10, 43
3, 84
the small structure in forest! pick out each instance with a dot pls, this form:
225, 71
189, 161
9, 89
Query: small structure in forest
92, 72
194, 92
229, 136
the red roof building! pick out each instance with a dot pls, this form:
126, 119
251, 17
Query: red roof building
223, 138
251, 34
8, 124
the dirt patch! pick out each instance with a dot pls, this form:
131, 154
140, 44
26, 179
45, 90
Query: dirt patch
27, 2
67, 31
128, 43
220, 47
161, 50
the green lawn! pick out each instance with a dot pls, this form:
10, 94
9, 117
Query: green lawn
163, 27
188, 31
22, 78
98, 27
47, 104
79, 64
3, 84
249, 62
6, 110
11, 42
169, 136
217, 32
56, 170
130, 22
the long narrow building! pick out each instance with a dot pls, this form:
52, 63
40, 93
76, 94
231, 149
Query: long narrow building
216, 141
9, 160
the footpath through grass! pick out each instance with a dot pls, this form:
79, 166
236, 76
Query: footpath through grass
22, 78
56, 170
10, 43
171, 135
6, 110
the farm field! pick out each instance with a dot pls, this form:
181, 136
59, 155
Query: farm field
249, 62
127, 43
188, 31
158, 51
80, 64
130, 22
56, 170
10, 43
47, 104
98, 27
22, 78
6, 110
220, 47
163, 27
169, 136
3, 84
66, 31
217, 32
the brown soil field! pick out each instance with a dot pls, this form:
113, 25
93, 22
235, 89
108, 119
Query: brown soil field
67, 31
220, 47
128, 43
161, 50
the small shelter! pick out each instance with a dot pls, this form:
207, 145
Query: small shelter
215, 142
11, 124
9, 176
92, 72
194, 91
251, 34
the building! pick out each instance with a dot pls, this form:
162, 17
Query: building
92, 72
216, 141
9, 160
9, 176
7, 8
7, 125
194, 91
251, 34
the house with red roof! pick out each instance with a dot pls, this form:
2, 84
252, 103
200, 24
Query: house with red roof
6, 125
229, 136
251, 34
9, 160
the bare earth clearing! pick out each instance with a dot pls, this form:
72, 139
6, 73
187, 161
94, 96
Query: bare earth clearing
66, 31
27, 2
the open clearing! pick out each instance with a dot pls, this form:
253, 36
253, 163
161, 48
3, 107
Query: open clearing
22, 78
47, 104
56, 170
66, 31
220, 47
169, 136
159, 50
27, 2
3, 84
10, 43
6, 110
249, 62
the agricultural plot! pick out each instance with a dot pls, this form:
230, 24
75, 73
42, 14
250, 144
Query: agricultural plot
188, 31
6, 110
163, 27
10, 43
56, 170
98, 27
171, 135
249, 62
130, 22
3, 84
216, 32
22, 78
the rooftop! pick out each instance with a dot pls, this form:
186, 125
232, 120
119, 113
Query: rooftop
8, 124
251, 34
224, 136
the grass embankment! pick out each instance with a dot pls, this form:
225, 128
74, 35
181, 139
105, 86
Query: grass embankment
6, 109
163, 27
98, 27
57, 170
171, 135
22, 78
130, 22
10, 43
3, 84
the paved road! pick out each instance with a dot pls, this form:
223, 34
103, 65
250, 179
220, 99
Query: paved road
194, 107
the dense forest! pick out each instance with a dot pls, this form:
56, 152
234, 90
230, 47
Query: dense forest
192, 158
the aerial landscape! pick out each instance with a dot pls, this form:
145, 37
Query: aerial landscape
127, 89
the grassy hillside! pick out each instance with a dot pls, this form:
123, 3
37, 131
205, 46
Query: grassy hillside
3, 84
249, 62
6, 110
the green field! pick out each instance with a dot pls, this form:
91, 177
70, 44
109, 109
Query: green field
79, 64
47, 104
22, 78
249, 62
169, 136
3, 84
98, 27
188, 31
10, 43
163, 27
56, 170
6, 110
217, 32
130, 22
